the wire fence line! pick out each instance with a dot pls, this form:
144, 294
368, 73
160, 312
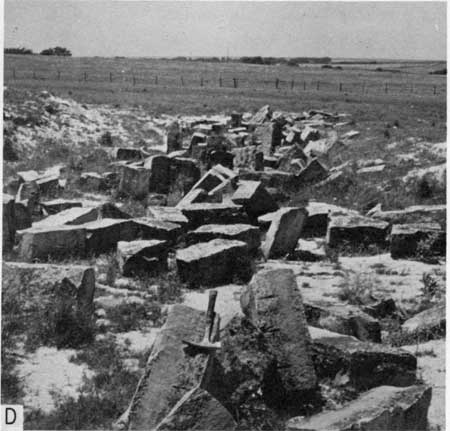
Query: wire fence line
228, 81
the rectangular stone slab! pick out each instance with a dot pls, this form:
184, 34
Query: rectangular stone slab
170, 371
382, 408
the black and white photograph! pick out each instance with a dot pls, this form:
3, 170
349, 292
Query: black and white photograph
223, 215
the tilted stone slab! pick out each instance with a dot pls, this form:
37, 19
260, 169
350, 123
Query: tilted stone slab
405, 239
382, 408
142, 256
273, 302
167, 214
214, 213
213, 263
344, 319
239, 232
367, 364
46, 290
149, 228
172, 370
9, 228
284, 231
271, 178
57, 205
356, 230
255, 199
159, 166
427, 324
198, 410
59, 242
134, 181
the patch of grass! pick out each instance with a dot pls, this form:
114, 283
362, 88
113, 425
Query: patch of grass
169, 286
131, 316
357, 288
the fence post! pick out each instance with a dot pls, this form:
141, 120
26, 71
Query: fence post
318, 85
277, 82
434, 89
182, 81
385, 88
110, 77
156, 79
340, 86
220, 81
235, 82
292, 84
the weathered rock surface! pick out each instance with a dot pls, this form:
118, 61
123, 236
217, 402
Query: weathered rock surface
314, 172
134, 181
59, 242
213, 263
405, 239
159, 167
367, 365
284, 181
198, 410
254, 198
144, 256
214, 213
57, 205
239, 232
60, 294
428, 324
413, 214
344, 319
356, 230
167, 214
274, 304
382, 408
284, 231
172, 370
148, 228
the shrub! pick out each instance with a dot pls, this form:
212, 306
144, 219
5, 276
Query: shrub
357, 289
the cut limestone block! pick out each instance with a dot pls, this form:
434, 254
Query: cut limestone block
367, 364
134, 181
195, 196
405, 239
198, 410
128, 153
159, 166
240, 232
62, 293
284, 231
149, 228
254, 198
428, 324
262, 116
344, 319
168, 214
213, 263
217, 176
214, 213
413, 214
273, 302
9, 228
104, 234
142, 256
283, 181
184, 172
313, 173
172, 370
57, 205
311, 250
356, 230
382, 408
23, 215
58, 242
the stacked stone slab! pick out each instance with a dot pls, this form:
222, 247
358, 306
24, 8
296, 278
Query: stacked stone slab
142, 257
382, 408
213, 263
214, 213
239, 232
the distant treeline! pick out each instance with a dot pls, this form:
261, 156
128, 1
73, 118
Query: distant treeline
290, 61
57, 50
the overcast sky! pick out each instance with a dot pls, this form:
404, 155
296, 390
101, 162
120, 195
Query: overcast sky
398, 30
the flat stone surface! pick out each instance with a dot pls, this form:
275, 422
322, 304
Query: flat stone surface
213, 263
57, 205
367, 364
134, 181
284, 231
214, 213
413, 214
240, 232
429, 323
382, 408
149, 228
167, 214
309, 250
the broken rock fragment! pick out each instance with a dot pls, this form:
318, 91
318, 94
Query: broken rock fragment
213, 263
428, 324
141, 256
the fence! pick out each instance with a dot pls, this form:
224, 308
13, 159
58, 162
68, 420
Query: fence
235, 82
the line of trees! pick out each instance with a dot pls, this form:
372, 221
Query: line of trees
57, 50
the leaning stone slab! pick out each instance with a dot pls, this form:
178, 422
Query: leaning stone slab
405, 239
58, 242
284, 231
46, 290
413, 214
198, 410
255, 199
382, 408
57, 205
141, 256
239, 232
159, 166
9, 228
172, 370
313, 173
213, 263
344, 319
168, 214
149, 228
284, 181
217, 176
428, 324
356, 230
367, 364
214, 213
273, 302
134, 181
